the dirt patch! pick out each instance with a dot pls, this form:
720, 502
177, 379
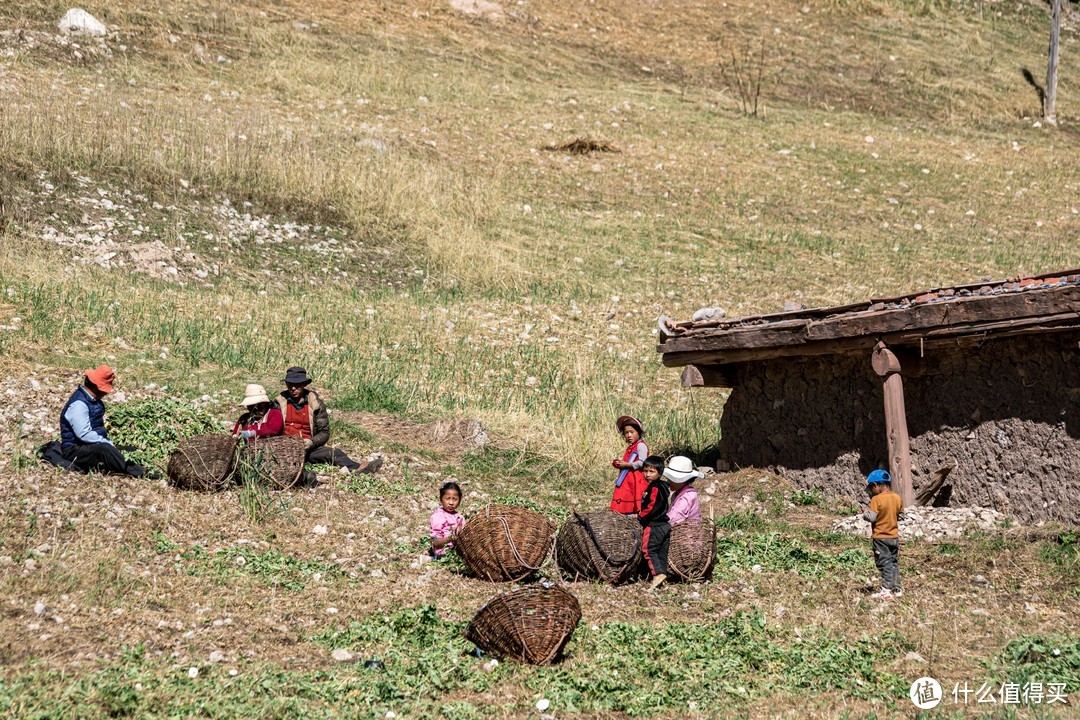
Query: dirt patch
583, 146
449, 437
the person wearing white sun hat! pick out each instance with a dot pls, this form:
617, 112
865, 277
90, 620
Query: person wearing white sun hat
261, 418
662, 507
685, 506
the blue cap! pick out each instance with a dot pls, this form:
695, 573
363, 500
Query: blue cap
878, 476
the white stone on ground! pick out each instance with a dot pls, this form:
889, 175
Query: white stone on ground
481, 8
930, 523
78, 21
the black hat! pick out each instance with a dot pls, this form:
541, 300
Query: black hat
296, 375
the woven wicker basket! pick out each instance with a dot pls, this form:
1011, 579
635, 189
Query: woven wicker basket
531, 625
600, 545
277, 461
503, 543
202, 463
692, 551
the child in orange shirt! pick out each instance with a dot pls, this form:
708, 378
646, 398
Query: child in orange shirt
886, 508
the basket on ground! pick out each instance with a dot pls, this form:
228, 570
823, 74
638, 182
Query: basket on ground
274, 462
203, 463
503, 543
600, 545
531, 624
692, 551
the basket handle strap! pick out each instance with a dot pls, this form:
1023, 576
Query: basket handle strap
513, 548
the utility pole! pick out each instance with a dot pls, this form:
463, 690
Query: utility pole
1050, 96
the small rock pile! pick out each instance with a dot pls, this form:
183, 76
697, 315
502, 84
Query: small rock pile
930, 523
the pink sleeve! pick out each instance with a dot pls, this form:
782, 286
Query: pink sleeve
438, 525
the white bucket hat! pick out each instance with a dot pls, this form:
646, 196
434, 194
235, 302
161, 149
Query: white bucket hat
253, 395
680, 469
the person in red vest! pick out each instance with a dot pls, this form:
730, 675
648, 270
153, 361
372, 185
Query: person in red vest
630, 483
306, 417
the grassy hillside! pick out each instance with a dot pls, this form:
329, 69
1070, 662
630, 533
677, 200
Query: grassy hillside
388, 194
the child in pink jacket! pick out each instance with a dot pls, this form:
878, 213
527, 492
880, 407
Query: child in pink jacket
446, 522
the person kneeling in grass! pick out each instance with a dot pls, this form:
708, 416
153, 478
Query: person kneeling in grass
306, 417
84, 440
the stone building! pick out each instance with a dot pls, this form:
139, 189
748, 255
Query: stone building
969, 395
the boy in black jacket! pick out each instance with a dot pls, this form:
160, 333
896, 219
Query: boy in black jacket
653, 517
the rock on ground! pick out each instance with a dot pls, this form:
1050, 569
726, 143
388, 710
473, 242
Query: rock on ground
77, 20
480, 8
930, 523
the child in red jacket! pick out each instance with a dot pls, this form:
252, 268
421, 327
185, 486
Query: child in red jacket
630, 483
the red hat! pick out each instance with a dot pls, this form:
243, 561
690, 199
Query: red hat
102, 378
633, 422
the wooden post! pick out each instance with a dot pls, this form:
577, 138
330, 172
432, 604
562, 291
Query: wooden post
887, 366
1050, 96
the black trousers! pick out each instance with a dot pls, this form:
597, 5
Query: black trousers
654, 541
100, 457
887, 558
331, 456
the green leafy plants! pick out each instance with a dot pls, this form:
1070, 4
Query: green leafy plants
379, 485
271, 566
1041, 658
555, 512
806, 498
162, 544
503, 463
776, 552
741, 520
375, 395
257, 500
156, 426
772, 499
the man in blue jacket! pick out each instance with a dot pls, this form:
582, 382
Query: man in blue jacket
84, 440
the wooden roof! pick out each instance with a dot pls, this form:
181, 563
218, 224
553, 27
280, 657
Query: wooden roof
1040, 303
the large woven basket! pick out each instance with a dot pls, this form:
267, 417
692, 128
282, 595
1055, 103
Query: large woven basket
692, 551
202, 463
503, 543
531, 624
275, 462
600, 545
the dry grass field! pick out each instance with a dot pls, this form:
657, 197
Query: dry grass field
394, 196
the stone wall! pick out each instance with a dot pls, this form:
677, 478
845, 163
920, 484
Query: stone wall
1008, 411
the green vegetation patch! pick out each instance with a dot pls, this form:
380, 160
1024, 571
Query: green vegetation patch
156, 426
774, 552
1064, 553
272, 567
1041, 658
375, 395
624, 667
807, 498
504, 463
557, 513
746, 520
374, 484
